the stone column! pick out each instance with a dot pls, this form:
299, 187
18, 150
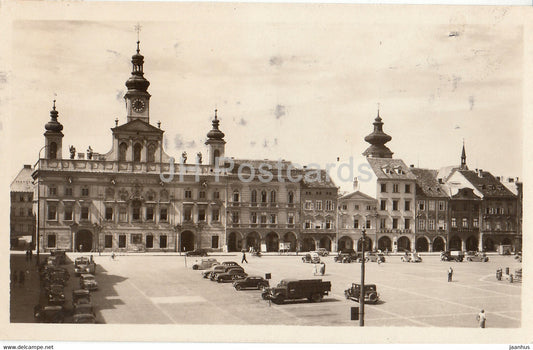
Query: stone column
463, 244
480, 243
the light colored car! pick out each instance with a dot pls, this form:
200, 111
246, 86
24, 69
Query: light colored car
205, 264
476, 256
411, 257
87, 281
322, 252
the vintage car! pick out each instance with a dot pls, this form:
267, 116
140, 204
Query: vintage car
84, 265
411, 257
290, 289
83, 318
197, 252
374, 257
347, 256
255, 282
215, 274
312, 258
219, 268
83, 309
322, 252
453, 255
55, 294
52, 261
81, 296
231, 275
49, 313
518, 256
476, 256
354, 292
205, 264
60, 256
87, 281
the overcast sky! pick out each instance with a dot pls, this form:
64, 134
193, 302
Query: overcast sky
289, 82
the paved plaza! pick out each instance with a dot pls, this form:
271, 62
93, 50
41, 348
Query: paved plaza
160, 289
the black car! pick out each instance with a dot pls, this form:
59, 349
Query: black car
231, 275
255, 282
197, 252
49, 313
55, 294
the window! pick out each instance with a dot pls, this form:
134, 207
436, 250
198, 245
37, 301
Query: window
421, 205
162, 241
290, 219
308, 205
188, 194
122, 241
235, 196
52, 211
431, 224
253, 218
136, 238
254, 196
187, 213
465, 223
407, 224
108, 241
329, 205
407, 206
307, 224
291, 197
318, 205
368, 224
149, 241
53, 150
263, 218
272, 218
382, 223
442, 224
85, 192
356, 207
21, 212
201, 214
216, 195
394, 223
123, 214
51, 241
368, 207
84, 213
407, 188
136, 211
355, 223
137, 152
442, 206
263, 196
454, 222
149, 213
475, 223
329, 224
151, 153
67, 216
214, 241
431, 205
395, 204
215, 215
395, 188
383, 187
235, 217
163, 214
383, 204
52, 190
421, 224
272, 196
122, 149
201, 195
68, 191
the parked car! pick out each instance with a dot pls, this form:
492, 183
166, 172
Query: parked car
255, 282
347, 256
54, 271
314, 290
220, 268
229, 263
81, 296
197, 252
60, 255
215, 274
453, 255
411, 257
84, 265
354, 293
87, 281
322, 252
312, 258
476, 256
374, 257
55, 294
207, 273
83, 318
49, 313
231, 275
205, 264
52, 261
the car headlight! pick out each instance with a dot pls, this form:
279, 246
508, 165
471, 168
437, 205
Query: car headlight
62, 295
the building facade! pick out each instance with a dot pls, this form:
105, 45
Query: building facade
22, 217
357, 212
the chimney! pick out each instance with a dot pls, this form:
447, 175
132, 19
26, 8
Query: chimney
441, 181
412, 166
27, 166
355, 184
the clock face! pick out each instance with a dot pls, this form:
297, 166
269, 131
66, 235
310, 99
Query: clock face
138, 105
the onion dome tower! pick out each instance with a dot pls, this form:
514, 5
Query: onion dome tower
377, 140
215, 143
137, 97
53, 136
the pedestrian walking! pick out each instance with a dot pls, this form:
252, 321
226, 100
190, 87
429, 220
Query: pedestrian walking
244, 257
21, 278
113, 255
481, 318
322, 269
31, 254
450, 274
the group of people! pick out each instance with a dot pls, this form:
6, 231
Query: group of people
29, 255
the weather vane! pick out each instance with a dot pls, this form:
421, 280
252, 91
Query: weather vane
138, 30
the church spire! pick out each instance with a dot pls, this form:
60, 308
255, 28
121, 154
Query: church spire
463, 158
377, 140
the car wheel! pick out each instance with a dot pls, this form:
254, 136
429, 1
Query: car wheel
469, 259
238, 287
195, 267
316, 297
279, 299
373, 297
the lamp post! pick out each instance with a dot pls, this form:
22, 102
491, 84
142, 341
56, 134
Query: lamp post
37, 233
362, 291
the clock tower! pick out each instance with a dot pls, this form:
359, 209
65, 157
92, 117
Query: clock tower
137, 97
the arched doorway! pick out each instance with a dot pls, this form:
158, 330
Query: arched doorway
404, 244
471, 243
488, 245
187, 241
234, 242
290, 237
455, 243
368, 244
83, 241
325, 242
384, 244
308, 244
345, 242
438, 244
272, 242
422, 244
253, 240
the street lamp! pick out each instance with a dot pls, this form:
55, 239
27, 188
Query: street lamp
362, 291
37, 234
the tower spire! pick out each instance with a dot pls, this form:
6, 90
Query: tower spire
463, 158
377, 140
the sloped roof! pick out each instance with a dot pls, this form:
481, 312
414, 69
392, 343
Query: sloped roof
445, 172
23, 182
487, 184
137, 125
311, 181
358, 195
389, 168
427, 183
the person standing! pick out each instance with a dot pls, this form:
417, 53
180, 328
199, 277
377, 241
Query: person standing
244, 257
482, 318
450, 274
